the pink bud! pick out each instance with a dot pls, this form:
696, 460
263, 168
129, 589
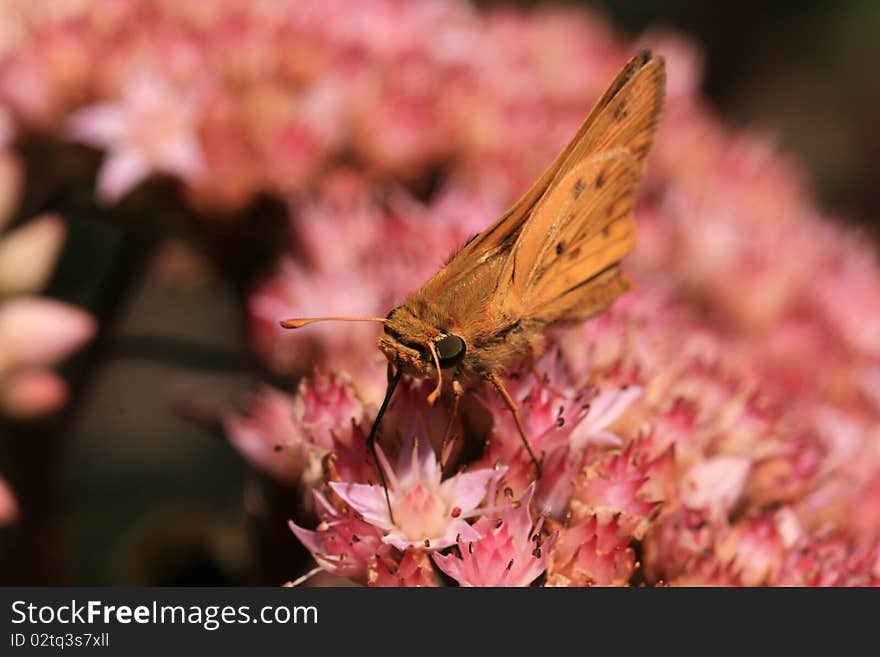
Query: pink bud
41, 331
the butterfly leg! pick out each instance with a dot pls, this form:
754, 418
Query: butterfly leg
446, 446
511, 405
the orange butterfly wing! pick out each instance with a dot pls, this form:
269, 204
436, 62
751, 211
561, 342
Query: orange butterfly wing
483, 256
563, 265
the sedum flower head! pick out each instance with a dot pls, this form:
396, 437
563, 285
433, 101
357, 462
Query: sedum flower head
427, 511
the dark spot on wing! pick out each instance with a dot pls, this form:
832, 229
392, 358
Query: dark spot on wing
578, 188
621, 111
600, 180
559, 248
606, 231
574, 253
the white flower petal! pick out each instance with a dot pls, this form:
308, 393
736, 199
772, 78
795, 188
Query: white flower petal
605, 409
715, 484
120, 173
608, 406
37, 331
369, 501
467, 490
182, 157
100, 125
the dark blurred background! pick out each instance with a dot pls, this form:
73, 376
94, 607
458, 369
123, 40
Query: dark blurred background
137, 494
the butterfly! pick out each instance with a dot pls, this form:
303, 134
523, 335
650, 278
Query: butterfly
551, 259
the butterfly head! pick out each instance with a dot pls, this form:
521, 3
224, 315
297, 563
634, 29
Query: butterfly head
414, 345
420, 348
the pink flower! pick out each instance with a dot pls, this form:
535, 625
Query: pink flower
754, 549
151, 128
617, 484
428, 512
40, 332
605, 409
561, 429
595, 552
342, 544
833, 560
715, 485
559, 423
326, 405
681, 541
296, 292
511, 552
288, 436
413, 569
269, 437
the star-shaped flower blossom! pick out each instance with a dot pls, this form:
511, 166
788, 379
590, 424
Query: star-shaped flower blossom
151, 128
428, 512
511, 552
605, 409
342, 544
269, 437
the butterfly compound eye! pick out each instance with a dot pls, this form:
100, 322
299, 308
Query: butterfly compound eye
450, 350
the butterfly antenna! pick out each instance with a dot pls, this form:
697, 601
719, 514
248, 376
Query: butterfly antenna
299, 322
371, 439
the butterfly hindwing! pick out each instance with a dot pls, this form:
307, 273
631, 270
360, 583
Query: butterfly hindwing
582, 228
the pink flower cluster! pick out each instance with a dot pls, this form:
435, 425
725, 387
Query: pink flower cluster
651, 446
717, 426
238, 97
